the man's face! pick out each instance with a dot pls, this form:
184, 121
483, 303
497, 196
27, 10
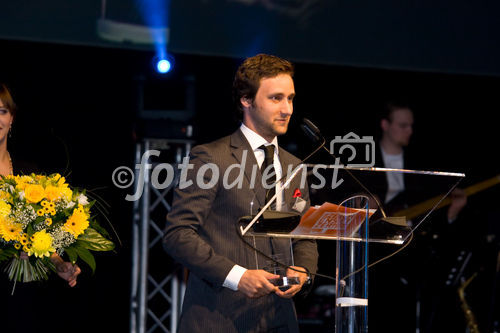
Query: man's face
269, 113
400, 128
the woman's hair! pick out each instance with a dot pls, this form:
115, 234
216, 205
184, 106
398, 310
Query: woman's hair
7, 99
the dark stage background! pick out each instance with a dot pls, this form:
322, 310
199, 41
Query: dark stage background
78, 115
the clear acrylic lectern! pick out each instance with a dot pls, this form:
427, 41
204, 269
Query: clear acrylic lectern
350, 206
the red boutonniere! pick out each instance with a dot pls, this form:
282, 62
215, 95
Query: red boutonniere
299, 203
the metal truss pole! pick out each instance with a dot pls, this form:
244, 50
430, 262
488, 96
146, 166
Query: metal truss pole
157, 285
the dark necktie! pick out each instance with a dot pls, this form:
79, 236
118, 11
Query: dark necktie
268, 164
270, 181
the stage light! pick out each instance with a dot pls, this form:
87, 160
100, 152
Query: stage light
163, 63
163, 66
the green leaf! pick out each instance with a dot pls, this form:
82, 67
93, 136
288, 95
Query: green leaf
71, 254
94, 241
29, 229
86, 256
7, 253
95, 225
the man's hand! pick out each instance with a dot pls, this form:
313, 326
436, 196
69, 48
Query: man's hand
296, 287
65, 269
255, 283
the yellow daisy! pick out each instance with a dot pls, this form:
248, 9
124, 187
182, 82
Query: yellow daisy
77, 223
10, 230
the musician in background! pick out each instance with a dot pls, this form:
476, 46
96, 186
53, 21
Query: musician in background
402, 283
397, 128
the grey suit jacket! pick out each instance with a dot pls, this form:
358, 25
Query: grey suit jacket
201, 235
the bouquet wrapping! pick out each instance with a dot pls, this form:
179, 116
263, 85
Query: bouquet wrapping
40, 216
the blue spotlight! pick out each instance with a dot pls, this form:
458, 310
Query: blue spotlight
163, 66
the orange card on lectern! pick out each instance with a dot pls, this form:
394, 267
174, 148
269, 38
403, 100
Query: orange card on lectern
332, 220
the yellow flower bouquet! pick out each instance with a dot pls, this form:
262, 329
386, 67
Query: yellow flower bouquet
42, 215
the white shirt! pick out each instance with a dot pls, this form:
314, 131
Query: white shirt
395, 180
255, 140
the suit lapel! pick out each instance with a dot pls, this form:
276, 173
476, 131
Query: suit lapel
243, 153
285, 163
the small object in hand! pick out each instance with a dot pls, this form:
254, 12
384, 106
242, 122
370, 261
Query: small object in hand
284, 283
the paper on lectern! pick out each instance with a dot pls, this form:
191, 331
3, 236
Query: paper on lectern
332, 220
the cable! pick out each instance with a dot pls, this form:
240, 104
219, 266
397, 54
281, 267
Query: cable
276, 261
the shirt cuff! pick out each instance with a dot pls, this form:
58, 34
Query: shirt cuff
233, 278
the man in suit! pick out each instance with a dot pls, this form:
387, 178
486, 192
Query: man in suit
227, 289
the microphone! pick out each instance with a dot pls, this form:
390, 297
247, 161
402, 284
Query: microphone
311, 130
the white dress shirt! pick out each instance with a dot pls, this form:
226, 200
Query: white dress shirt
395, 180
